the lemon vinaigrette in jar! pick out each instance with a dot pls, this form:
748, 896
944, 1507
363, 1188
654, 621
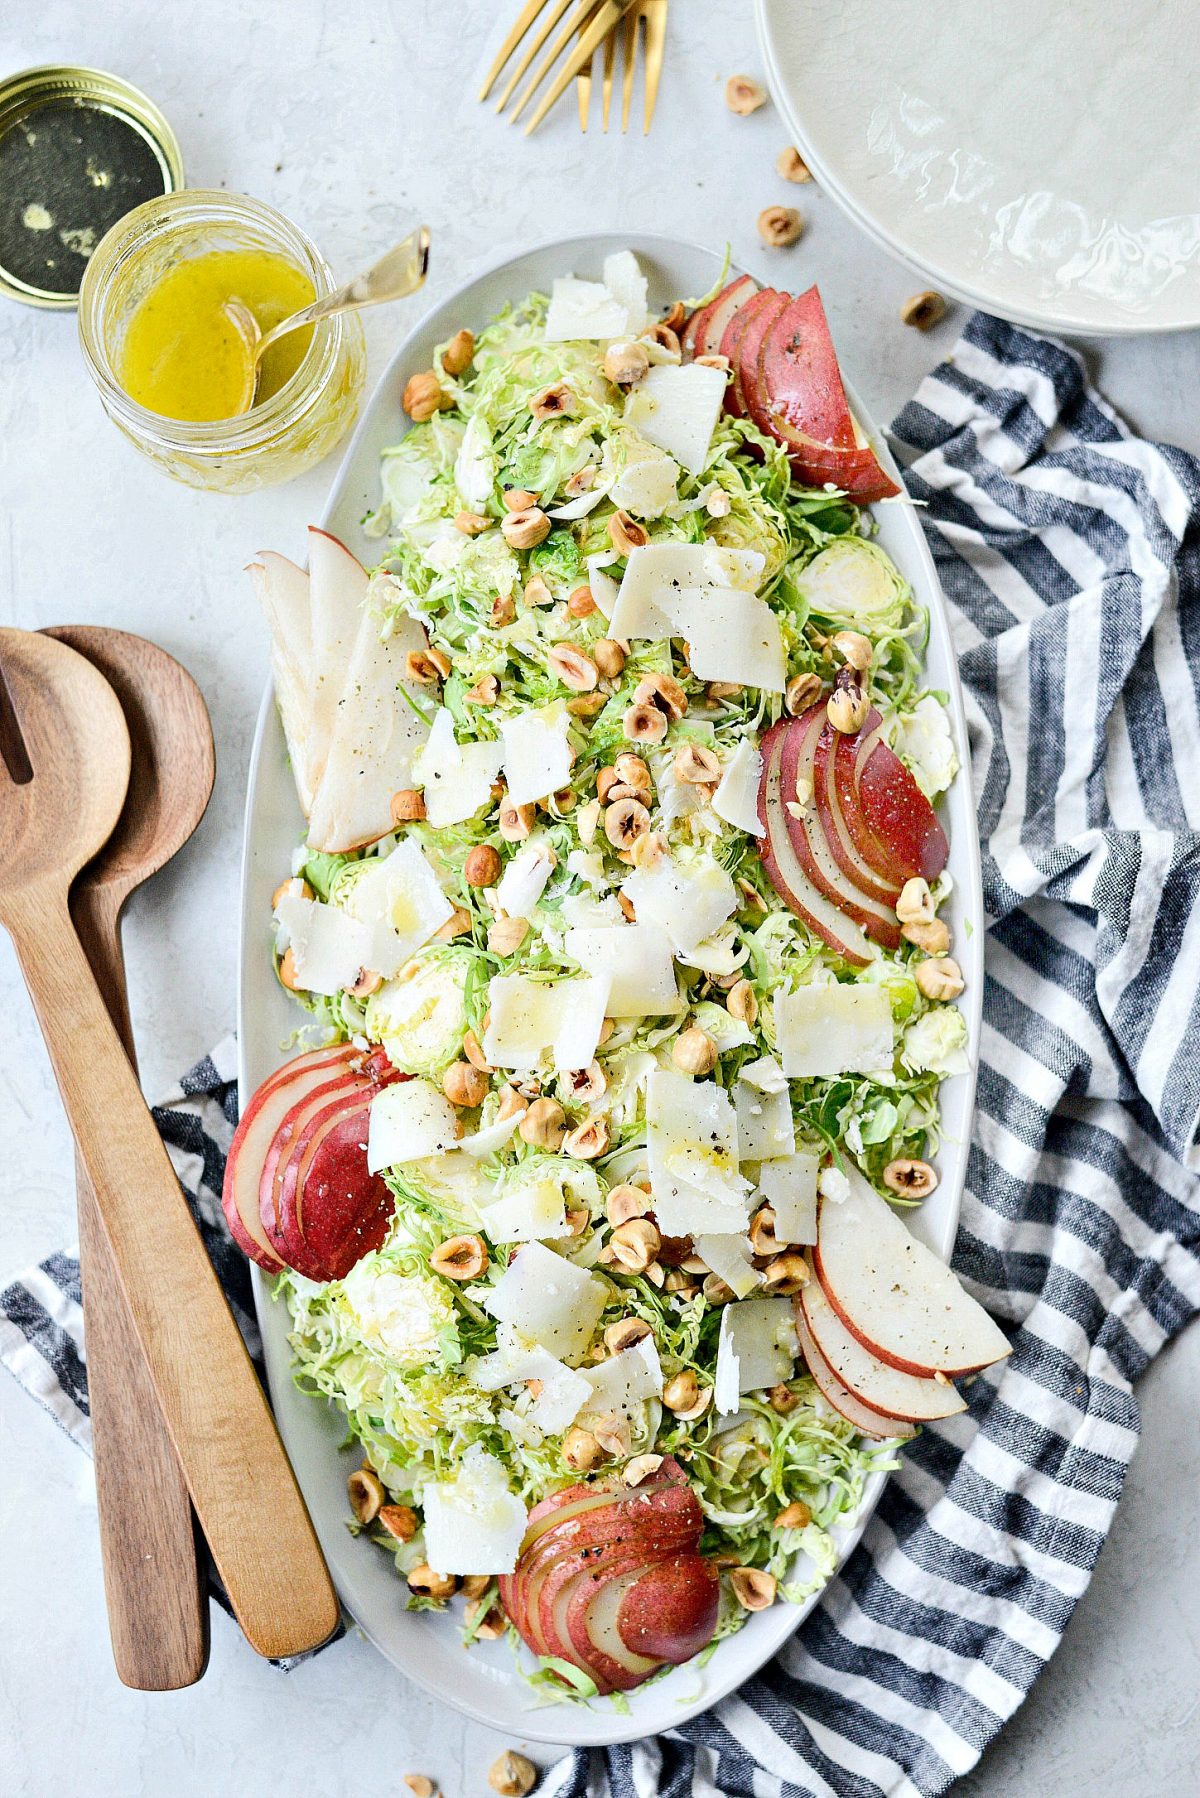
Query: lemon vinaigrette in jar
170, 360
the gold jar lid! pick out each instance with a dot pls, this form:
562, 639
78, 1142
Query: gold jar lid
78, 150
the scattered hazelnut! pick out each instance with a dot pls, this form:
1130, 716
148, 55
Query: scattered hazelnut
287, 972
544, 1125
915, 904
408, 807
581, 1450
854, 649
785, 1274
423, 396
664, 691
779, 226
552, 402
933, 938
625, 1202
524, 530
429, 1584
506, 935
457, 924
625, 821
644, 724
696, 766
460, 1257
572, 667
626, 361
753, 1587
537, 592
471, 524
939, 978
473, 1051
665, 338
512, 1775
744, 95
803, 690
400, 1521
847, 709
504, 610
301, 889
642, 1467
782, 1399
516, 821
482, 866
419, 1785
364, 984
581, 604
625, 1332
635, 1244
519, 499
465, 1085
694, 1051
923, 310
796, 1516
366, 1494
626, 533
586, 1141
741, 1003
915, 1179
493, 1624
791, 165
458, 352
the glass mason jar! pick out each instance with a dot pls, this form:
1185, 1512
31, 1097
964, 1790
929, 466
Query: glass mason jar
276, 440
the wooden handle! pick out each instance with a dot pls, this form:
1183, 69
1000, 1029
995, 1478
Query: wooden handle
155, 1585
241, 1484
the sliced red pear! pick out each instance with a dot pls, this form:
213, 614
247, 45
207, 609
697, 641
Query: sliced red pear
858, 473
671, 1611
560, 1524
326, 1096
708, 336
731, 346
613, 1662
801, 373
891, 1292
880, 1387
252, 1141
752, 390
824, 919
897, 812
338, 585
853, 864
843, 1401
848, 752
333, 1210
797, 773
602, 1608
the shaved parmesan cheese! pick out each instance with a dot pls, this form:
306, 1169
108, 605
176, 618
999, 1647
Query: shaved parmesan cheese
516, 1360
677, 406
537, 760
492, 1137
688, 900
474, 1524
657, 573
756, 1348
329, 948
577, 508
736, 797
625, 1381
604, 588
627, 284
524, 879
475, 464
533, 1022
457, 779
408, 1120
732, 636
636, 960
647, 484
789, 1187
730, 1258
583, 311
528, 1212
823, 1031
692, 1152
548, 1299
399, 898
764, 1112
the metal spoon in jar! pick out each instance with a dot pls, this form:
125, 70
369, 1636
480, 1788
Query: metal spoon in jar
398, 273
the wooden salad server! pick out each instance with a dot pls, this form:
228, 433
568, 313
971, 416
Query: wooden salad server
65, 755
155, 1582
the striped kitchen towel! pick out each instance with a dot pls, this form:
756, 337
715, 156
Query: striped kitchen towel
1070, 556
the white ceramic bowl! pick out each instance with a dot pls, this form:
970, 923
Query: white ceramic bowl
1038, 161
425, 1647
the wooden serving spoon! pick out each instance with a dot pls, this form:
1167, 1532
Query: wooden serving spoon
154, 1582
66, 759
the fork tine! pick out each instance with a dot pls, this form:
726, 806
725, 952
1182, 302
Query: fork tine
656, 39
529, 13
631, 33
576, 22
583, 92
602, 22
535, 43
610, 58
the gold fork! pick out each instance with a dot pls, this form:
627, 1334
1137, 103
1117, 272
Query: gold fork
651, 15
590, 22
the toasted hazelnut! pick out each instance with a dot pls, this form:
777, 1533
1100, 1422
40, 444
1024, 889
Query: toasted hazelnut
676, 316
625, 361
644, 724
471, 524
512, 1775
429, 1584
537, 592
626, 533
741, 1003
625, 1332
544, 1125
779, 226
632, 772
486, 691
682, 1283
791, 165
506, 935
474, 1585
552, 402
423, 396
718, 504
301, 889
763, 1239
287, 972
457, 924
519, 499
400, 1521
681, 1392
939, 978
781, 1398
587, 1084
493, 1624
635, 1244
606, 779
366, 1494
586, 705
420, 1785
753, 1587
578, 1218
663, 691
716, 1291
482, 866
625, 1202
803, 690
694, 1051
933, 938
642, 1467
744, 95
473, 1051
572, 667
504, 609
458, 352
923, 310
915, 904
785, 1274
421, 667
460, 1257
580, 603
696, 766
915, 1179
524, 530
408, 806
609, 657
847, 709
628, 908
795, 1516
581, 1450
649, 849
512, 1104
516, 821
665, 338
625, 822
366, 982
465, 1085
586, 1141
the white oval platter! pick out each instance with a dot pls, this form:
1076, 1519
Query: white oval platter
1038, 161
425, 1647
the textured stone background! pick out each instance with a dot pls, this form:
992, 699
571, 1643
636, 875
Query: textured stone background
356, 120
